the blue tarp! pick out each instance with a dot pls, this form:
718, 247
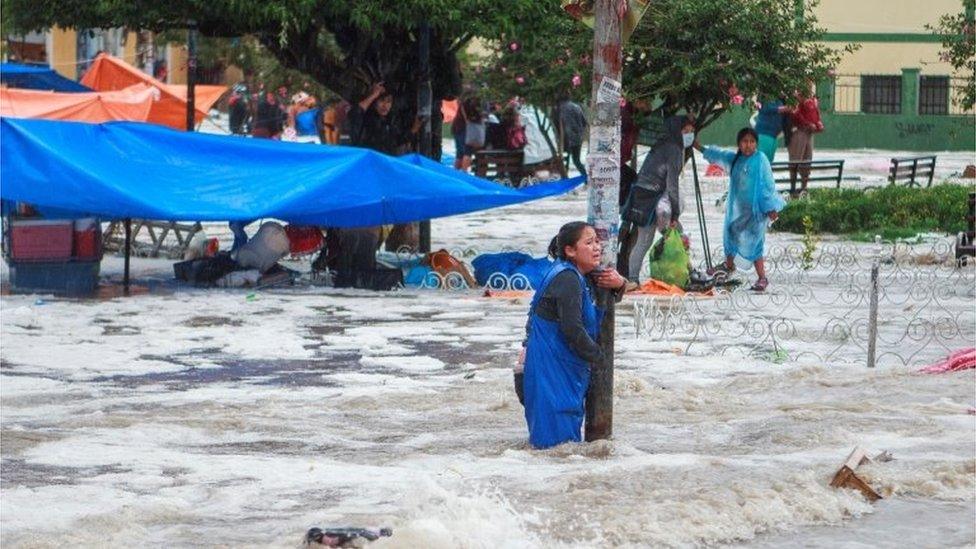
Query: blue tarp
127, 169
33, 77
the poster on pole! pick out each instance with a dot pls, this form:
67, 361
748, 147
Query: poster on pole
609, 91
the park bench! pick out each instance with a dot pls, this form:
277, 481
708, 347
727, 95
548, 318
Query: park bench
507, 166
821, 171
499, 165
912, 170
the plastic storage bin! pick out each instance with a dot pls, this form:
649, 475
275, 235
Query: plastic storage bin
68, 278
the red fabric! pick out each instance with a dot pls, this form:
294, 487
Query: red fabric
629, 131
963, 359
304, 240
714, 170
515, 138
807, 114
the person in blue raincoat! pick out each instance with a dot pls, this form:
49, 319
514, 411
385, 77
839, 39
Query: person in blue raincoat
753, 202
562, 331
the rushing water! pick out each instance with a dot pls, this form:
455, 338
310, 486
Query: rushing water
202, 418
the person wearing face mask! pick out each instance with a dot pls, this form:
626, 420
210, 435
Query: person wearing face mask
562, 336
654, 203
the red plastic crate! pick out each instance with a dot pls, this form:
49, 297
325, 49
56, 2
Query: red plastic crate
87, 239
41, 239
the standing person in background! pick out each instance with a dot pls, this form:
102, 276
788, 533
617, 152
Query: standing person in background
753, 203
268, 118
458, 129
562, 337
769, 124
513, 129
372, 124
806, 121
306, 118
331, 125
656, 193
239, 111
474, 129
571, 123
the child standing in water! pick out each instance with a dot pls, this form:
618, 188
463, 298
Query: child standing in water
752, 200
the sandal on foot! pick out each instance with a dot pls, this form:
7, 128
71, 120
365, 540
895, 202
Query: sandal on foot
760, 285
720, 272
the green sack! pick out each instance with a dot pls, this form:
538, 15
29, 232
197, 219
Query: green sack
669, 259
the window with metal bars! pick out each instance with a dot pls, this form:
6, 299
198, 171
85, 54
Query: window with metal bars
933, 95
881, 94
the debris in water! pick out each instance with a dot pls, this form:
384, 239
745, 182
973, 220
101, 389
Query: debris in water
846, 478
884, 457
344, 537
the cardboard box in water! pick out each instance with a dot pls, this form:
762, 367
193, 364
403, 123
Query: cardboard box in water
41, 239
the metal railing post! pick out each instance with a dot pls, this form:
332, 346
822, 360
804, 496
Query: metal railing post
873, 311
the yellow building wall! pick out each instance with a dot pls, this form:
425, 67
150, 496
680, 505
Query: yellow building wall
900, 18
885, 16
63, 56
892, 57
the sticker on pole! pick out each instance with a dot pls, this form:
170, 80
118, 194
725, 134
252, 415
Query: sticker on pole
609, 91
604, 166
605, 141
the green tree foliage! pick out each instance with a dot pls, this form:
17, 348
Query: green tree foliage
703, 56
345, 46
541, 61
958, 32
699, 56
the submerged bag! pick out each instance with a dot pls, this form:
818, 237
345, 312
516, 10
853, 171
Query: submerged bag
639, 209
669, 259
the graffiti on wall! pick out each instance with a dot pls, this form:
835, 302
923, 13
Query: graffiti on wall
913, 129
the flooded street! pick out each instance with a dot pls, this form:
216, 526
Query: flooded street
191, 417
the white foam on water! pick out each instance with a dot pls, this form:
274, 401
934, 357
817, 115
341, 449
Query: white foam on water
107, 440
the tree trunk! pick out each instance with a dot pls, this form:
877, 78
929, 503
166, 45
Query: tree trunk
556, 152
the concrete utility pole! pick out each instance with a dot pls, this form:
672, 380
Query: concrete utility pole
191, 74
603, 170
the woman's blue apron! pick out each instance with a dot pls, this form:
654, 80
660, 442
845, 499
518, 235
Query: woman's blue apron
556, 378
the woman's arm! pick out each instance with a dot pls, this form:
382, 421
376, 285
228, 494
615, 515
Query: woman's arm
565, 289
716, 155
374, 93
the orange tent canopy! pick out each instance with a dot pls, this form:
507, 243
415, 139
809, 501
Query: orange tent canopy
133, 103
109, 73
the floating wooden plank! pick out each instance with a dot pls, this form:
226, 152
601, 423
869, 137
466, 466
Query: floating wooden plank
847, 478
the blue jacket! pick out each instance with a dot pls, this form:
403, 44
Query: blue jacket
770, 121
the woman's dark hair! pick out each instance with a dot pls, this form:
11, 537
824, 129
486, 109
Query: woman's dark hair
738, 139
508, 116
472, 109
569, 234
